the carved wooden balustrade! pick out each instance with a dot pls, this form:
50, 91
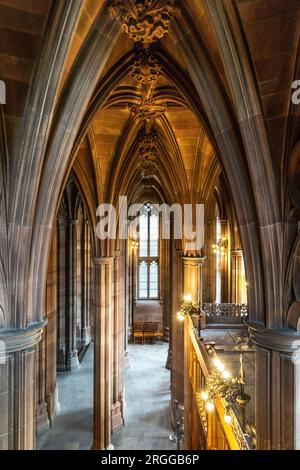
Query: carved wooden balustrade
225, 313
205, 430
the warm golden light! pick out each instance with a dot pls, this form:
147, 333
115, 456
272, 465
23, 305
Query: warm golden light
227, 418
180, 316
210, 406
218, 364
188, 298
204, 396
226, 375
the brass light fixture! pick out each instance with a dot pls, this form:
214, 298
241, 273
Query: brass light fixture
221, 247
232, 389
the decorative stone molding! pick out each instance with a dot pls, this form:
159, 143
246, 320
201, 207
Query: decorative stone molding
145, 21
104, 260
275, 340
19, 340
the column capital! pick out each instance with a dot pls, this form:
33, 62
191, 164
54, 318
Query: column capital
104, 260
281, 340
236, 252
193, 260
19, 340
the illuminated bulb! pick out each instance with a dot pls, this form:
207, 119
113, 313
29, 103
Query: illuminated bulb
210, 407
187, 298
227, 419
180, 316
226, 375
218, 364
214, 246
204, 396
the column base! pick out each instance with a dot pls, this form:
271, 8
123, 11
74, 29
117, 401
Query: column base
42, 417
126, 360
166, 334
169, 360
117, 422
53, 405
72, 362
86, 336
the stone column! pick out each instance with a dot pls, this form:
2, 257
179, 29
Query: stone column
127, 304
86, 288
209, 271
118, 347
103, 352
71, 356
177, 336
18, 375
277, 384
238, 279
170, 303
225, 264
47, 396
192, 277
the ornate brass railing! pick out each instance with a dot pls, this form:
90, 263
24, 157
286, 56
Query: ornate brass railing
204, 429
218, 312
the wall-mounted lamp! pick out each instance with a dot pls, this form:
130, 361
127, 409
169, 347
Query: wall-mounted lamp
134, 243
180, 316
188, 298
221, 247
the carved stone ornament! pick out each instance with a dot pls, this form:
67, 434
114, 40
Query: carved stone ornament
145, 21
148, 151
146, 69
148, 110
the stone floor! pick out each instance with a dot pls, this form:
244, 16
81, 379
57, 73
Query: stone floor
73, 427
147, 400
147, 396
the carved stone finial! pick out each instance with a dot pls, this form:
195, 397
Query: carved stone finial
145, 21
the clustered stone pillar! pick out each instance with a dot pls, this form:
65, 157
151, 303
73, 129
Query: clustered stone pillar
86, 288
103, 352
277, 385
47, 396
71, 356
238, 281
177, 337
118, 347
192, 281
18, 360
